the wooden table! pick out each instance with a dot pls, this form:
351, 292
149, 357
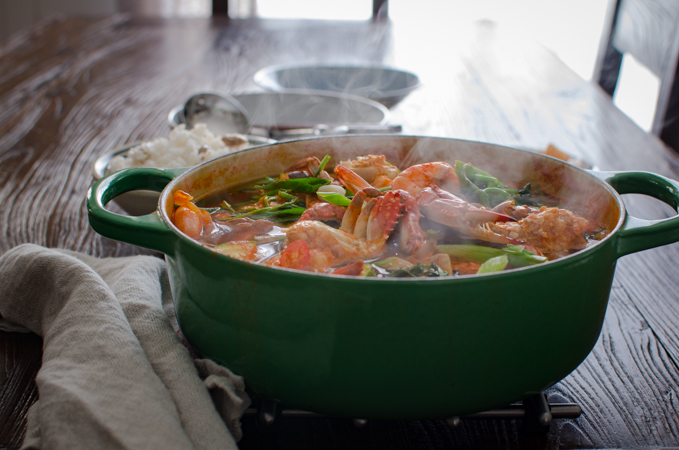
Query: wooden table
73, 88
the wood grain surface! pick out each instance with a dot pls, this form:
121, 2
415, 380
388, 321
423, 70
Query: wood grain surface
74, 88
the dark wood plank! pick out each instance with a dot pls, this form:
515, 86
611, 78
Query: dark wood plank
74, 96
20, 357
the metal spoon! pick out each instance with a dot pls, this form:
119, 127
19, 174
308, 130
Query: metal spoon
322, 130
222, 114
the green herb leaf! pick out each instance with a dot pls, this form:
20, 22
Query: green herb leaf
481, 187
334, 198
494, 196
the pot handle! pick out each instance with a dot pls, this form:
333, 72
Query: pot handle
147, 231
639, 234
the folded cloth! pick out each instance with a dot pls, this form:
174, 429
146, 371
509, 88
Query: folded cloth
114, 372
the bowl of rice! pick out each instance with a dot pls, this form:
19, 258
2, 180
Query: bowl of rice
183, 148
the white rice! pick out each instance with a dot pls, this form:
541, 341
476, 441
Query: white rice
184, 148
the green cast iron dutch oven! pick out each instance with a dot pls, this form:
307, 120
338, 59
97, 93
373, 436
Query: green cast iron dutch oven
391, 348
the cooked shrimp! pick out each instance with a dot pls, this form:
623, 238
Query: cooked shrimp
353, 181
188, 221
189, 218
374, 169
421, 176
340, 245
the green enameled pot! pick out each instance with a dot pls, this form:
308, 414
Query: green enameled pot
392, 348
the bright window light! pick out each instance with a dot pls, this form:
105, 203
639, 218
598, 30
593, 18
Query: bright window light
315, 9
637, 92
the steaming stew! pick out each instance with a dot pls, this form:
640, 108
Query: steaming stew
366, 217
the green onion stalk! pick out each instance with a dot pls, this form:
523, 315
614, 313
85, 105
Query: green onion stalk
517, 255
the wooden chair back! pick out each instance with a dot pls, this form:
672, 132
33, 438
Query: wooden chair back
649, 31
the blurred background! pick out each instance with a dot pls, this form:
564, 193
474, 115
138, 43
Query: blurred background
551, 22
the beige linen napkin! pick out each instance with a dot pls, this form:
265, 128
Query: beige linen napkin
114, 372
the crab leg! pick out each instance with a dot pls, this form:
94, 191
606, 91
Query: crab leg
361, 228
353, 212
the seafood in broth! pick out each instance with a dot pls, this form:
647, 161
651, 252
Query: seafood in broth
367, 217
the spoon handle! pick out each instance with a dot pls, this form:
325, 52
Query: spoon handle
325, 130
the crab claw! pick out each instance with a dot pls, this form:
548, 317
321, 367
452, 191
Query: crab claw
449, 209
385, 214
323, 211
411, 236
359, 208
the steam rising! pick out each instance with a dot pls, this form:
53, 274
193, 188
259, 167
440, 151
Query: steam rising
302, 110
579, 191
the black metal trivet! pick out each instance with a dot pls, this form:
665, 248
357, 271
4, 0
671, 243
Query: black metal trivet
534, 410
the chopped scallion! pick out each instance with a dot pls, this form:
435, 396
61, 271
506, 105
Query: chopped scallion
334, 198
517, 255
226, 206
324, 162
496, 264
